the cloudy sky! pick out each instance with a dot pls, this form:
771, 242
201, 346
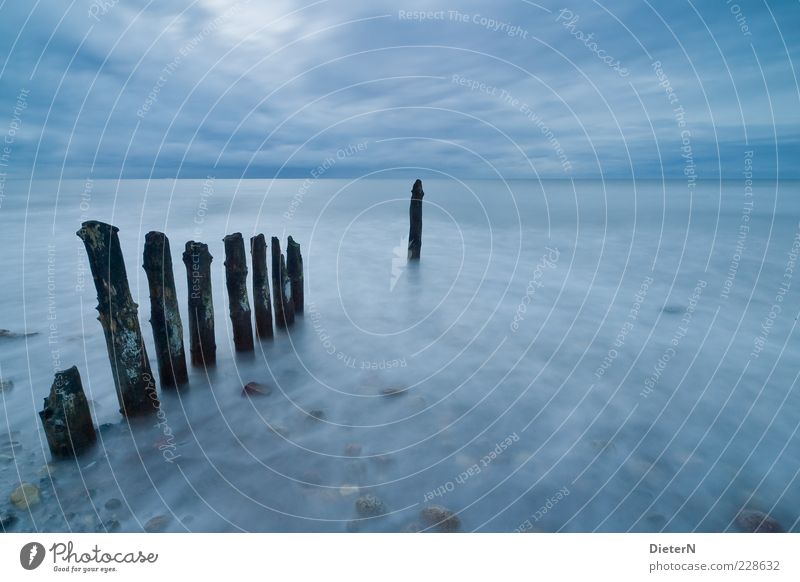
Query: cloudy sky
514, 88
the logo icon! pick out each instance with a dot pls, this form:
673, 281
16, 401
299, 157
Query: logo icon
31, 555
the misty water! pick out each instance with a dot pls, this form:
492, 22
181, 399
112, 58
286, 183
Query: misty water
569, 356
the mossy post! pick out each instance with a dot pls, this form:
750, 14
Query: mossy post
165, 317
261, 299
294, 270
281, 288
415, 216
66, 418
202, 342
119, 316
236, 282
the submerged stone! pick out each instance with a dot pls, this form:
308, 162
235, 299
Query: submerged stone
370, 506
25, 496
157, 524
256, 389
751, 521
113, 504
440, 519
7, 520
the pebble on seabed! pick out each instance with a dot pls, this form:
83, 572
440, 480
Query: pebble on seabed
157, 524
440, 519
751, 521
25, 496
370, 506
256, 389
7, 520
113, 503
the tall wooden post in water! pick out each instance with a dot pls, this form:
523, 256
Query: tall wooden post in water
281, 288
261, 300
294, 270
415, 216
236, 282
165, 317
201, 305
119, 316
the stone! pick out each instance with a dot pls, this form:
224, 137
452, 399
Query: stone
393, 391
6, 385
439, 519
113, 504
316, 414
110, 526
157, 524
8, 334
7, 520
370, 506
353, 450
25, 496
256, 389
751, 521
348, 490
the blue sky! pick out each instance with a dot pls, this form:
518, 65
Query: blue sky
507, 88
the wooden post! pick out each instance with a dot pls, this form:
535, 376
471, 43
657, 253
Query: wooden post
281, 291
66, 417
236, 282
261, 300
415, 216
294, 269
119, 317
165, 317
203, 345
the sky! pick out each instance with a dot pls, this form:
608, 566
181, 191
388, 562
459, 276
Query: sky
334, 88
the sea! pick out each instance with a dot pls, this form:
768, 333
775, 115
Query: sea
567, 356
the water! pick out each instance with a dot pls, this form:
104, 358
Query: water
520, 411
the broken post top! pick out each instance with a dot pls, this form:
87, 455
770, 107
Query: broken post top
416, 192
294, 259
232, 238
196, 249
67, 382
158, 245
105, 259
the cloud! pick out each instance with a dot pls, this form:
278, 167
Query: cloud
226, 88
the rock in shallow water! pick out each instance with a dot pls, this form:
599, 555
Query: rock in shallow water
370, 506
7, 520
113, 504
751, 521
25, 496
256, 389
441, 519
393, 391
157, 524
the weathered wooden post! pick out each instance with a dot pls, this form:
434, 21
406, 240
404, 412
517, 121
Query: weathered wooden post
294, 269
66, 418
203, 345
236, 282
165, 317
261, 300
281, 291
119, 317
415, 215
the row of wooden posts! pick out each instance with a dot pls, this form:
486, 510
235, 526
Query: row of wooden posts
66, 416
